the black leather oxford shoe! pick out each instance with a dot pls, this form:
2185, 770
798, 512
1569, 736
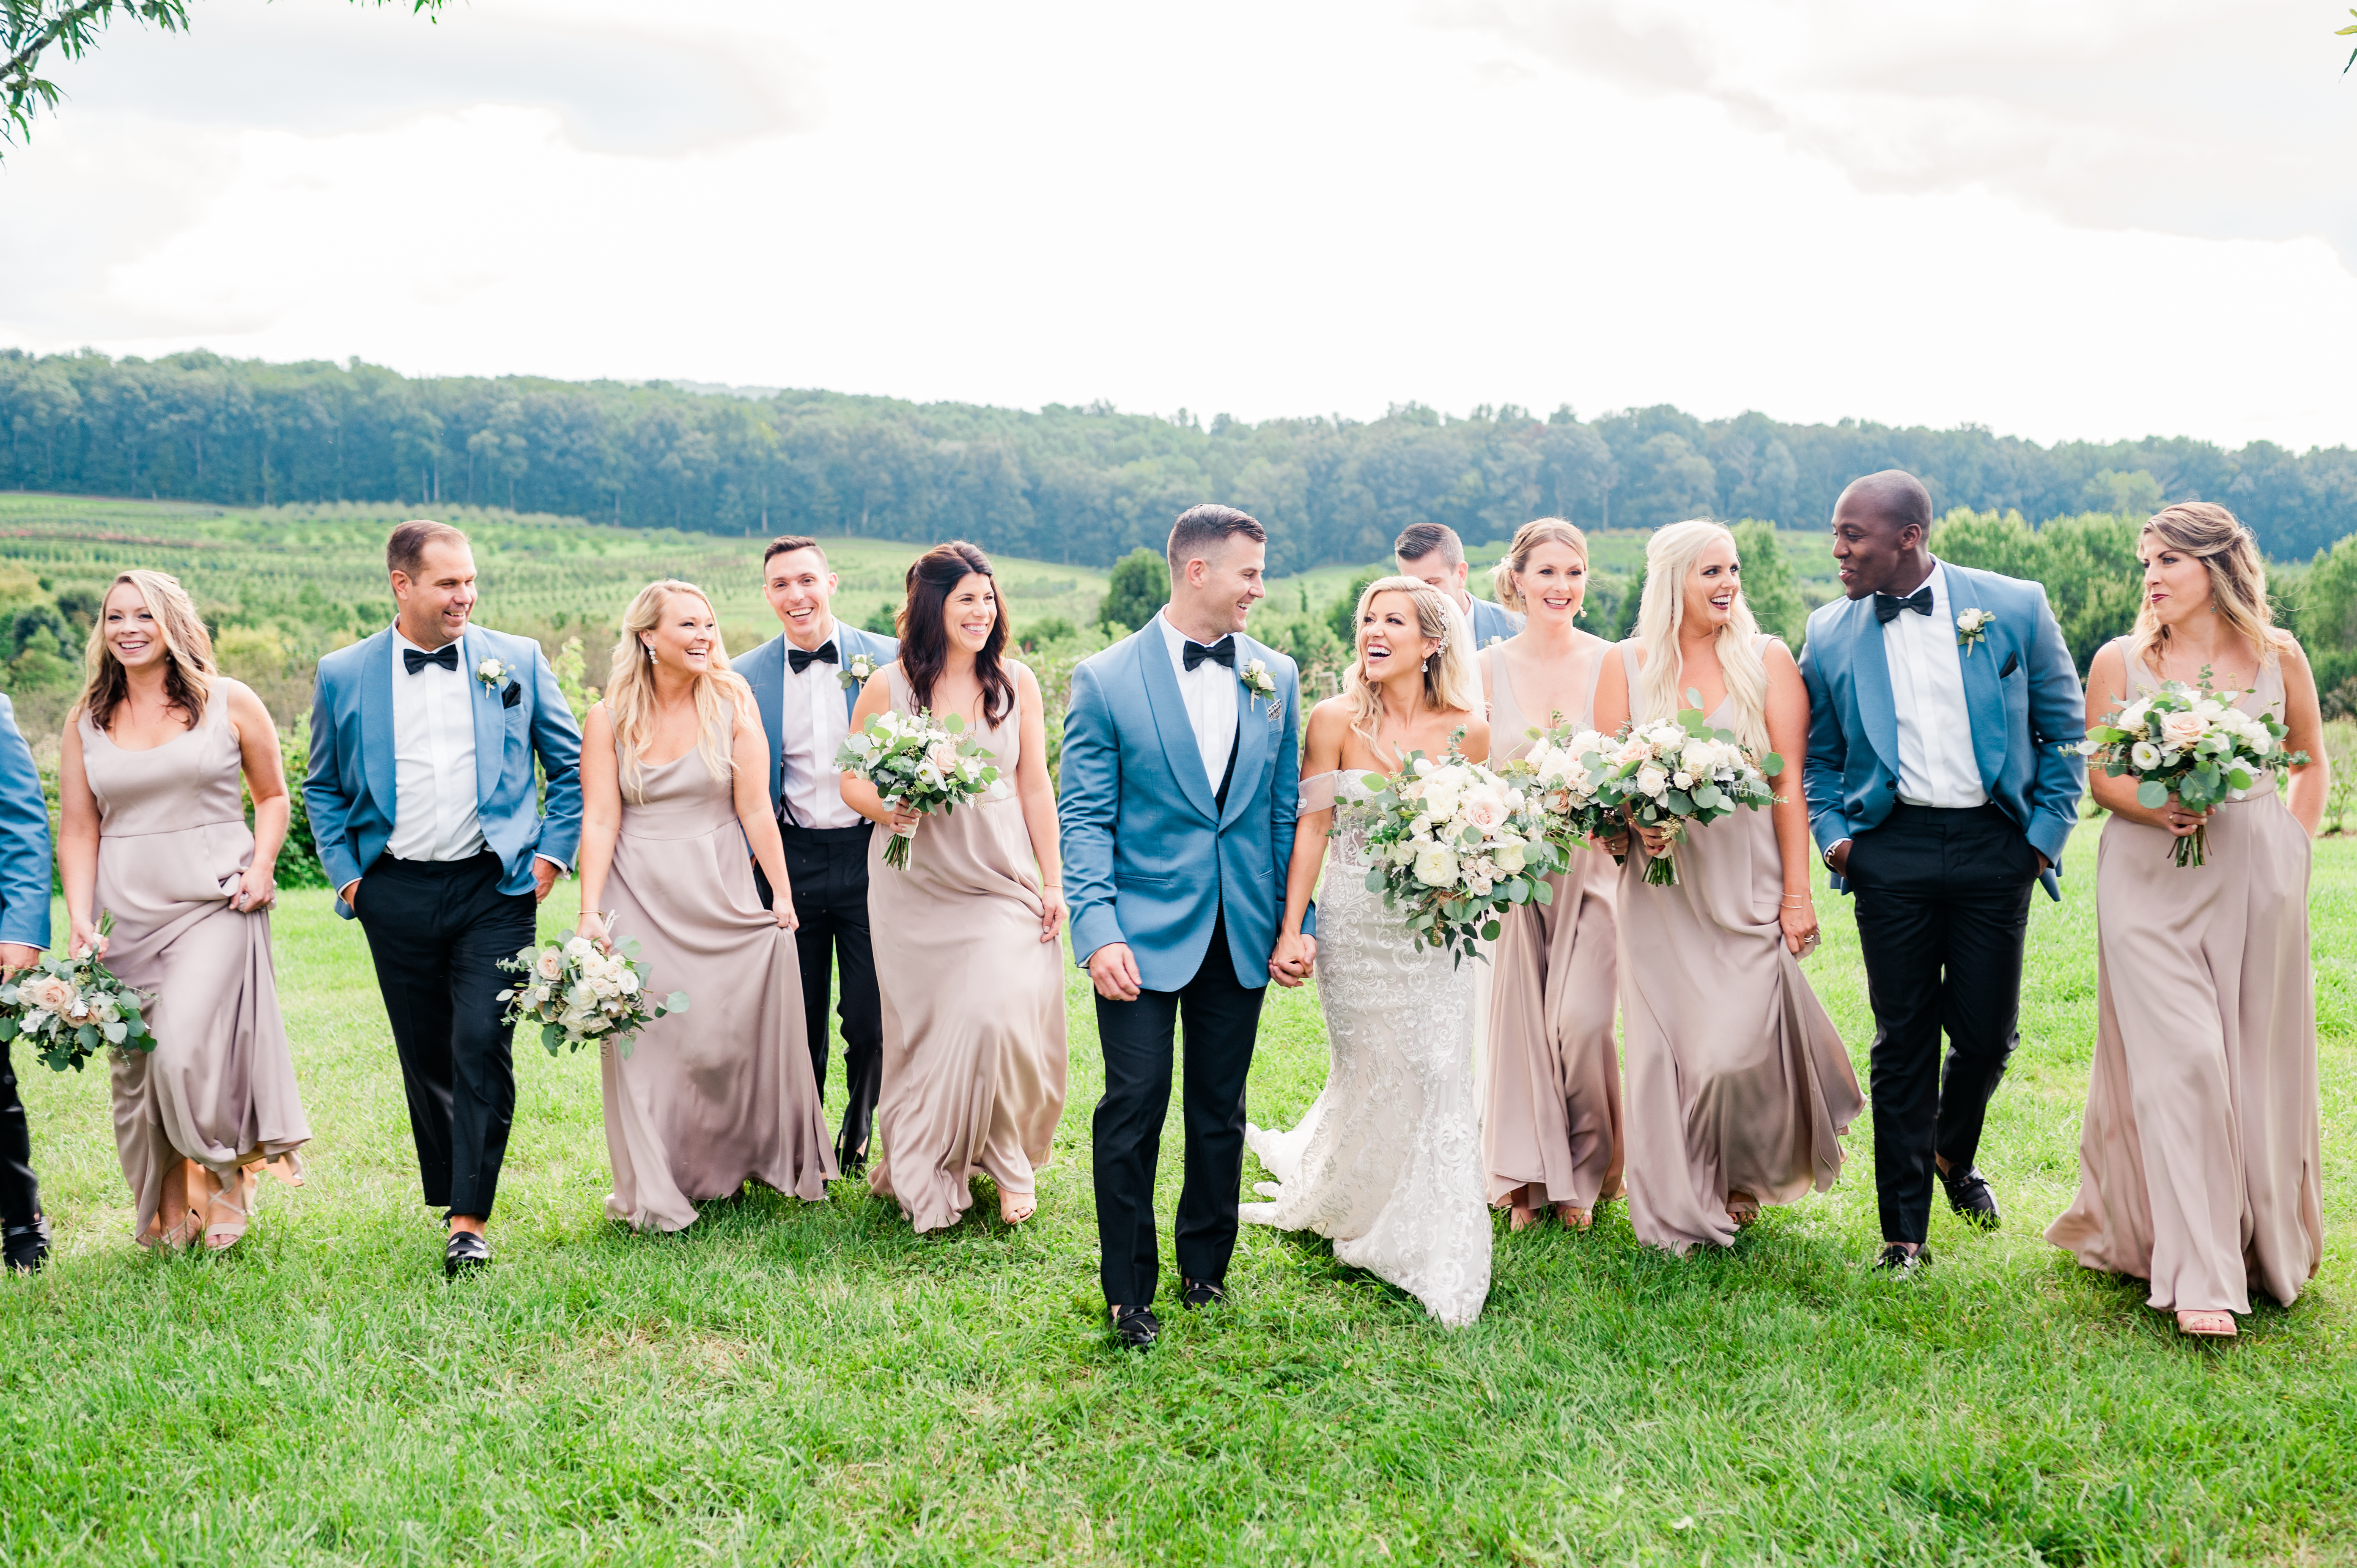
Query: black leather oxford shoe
1969, 1195
1135, 1326
465, 1251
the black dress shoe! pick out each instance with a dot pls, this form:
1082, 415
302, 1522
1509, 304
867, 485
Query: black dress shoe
25, 1248
1193, 1293
1897, 1260
1969, 1195
1135, 1326
850, 1161
466, 1251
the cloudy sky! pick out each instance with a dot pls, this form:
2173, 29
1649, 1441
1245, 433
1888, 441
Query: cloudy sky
2110, 219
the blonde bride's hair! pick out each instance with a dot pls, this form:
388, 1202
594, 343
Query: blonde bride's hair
1449, 682
720, 692
1670, 554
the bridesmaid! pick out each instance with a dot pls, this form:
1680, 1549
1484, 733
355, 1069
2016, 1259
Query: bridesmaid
154, 832
1738, 1086
967, 959
673, 788
2199, 1166
1551, 1118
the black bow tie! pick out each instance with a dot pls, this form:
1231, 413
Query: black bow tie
1221, 652
1887, 605
447, 658
824, 653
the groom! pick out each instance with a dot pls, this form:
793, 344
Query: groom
426, 812
1942, 784
1180, 784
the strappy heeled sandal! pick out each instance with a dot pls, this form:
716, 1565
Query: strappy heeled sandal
221, 1235
1015, 1207
1573, 1218
2207, 1325
165, 1230
1742, 1208
285, 1167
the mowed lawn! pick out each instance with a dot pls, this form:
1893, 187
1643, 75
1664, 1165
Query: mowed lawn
814, 1384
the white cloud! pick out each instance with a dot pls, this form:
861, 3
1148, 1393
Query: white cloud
1259, 209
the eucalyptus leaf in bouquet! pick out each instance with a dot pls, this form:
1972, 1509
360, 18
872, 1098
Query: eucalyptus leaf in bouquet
70, 1007
1454, 846
577, 992
924, 763
2192, 744
1669, 773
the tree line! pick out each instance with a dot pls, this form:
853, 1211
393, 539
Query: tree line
1065, 483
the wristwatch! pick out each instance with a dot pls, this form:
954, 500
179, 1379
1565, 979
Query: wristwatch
1829, 855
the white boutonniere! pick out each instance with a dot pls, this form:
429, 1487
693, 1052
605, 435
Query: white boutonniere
1262, 685
1971, 627
492, 673
856, 672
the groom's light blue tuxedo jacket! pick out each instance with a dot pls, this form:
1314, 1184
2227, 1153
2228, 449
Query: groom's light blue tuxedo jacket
2021, 689
350, 790
23, 840
1149, 858
764, 670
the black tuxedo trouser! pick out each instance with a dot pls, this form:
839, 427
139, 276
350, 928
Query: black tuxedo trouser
438, 930
21, 1190
1942, 912
828, 870
1222, 1017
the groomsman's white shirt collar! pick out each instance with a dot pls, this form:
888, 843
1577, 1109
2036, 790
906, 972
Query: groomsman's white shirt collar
435, 801
812, 720
1209, 691
1936, 765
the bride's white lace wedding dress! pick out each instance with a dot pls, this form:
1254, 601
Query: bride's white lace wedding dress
1388, 1161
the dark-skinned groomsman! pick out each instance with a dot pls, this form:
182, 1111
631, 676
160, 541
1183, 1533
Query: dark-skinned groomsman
802, 681
1942, 787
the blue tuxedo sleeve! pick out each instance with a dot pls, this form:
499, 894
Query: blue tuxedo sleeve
1090, 795
1285, 800
1824, 771
325, 799
2058, 721
558, 741
23, 840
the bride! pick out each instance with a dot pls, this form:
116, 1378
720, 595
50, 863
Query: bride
1387, 1163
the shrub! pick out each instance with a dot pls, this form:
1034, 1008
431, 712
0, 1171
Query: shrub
1139, 585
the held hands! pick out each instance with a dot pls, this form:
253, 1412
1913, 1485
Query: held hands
1053, 912
545, 873
1113, 970
1294, 958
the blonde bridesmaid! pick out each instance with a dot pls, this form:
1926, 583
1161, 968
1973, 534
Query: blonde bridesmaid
1551, 1117
154, 759
673, 788
2198, 1156
967, 961
1738, 1087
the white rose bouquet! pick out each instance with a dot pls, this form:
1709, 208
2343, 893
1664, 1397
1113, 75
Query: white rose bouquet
2191, 743
921, 762
69, 1006
1456, 845
1679, 771
1561, 776
577, 991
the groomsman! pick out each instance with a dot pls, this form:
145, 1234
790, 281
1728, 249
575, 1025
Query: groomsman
801, 680
1431, 553
24, 932
424, 806
1941, 785
1180, 779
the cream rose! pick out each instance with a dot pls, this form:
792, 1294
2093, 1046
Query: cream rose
2181, 730
1436, 866
1651, 780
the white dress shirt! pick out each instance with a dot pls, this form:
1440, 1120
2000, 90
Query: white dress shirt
434, 797
1936, 765
812, 720
1209, 691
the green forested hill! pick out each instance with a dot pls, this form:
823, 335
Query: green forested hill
1063, 484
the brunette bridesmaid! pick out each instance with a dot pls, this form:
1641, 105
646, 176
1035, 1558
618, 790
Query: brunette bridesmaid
967, 959
1551, 1116
1738, 1086
154, 834
673, 788
2199, 1167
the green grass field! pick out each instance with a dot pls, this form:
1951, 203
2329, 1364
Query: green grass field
814, 1384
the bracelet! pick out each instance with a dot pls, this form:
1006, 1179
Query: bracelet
1794, 900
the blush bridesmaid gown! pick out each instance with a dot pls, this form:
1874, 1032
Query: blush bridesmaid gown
1738, 1080
722, 1093
219, 1088
1551, 1113
974, 1001
2200, 1166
